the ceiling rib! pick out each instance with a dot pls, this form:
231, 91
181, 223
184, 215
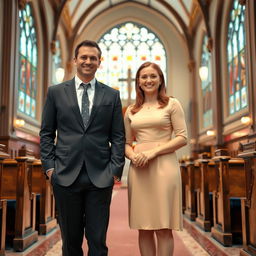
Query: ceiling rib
182, 24
76, 8
184, 8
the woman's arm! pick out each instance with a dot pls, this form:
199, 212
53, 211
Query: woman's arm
168, 147
129, 153
171, 146
177, 119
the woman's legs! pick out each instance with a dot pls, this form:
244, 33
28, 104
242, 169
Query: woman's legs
165, 243
147, 243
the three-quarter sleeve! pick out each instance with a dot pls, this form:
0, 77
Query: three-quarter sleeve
178, 119
127, 124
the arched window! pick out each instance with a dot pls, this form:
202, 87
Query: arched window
205, 73
57, 70
28, 63
125, 47
237, 89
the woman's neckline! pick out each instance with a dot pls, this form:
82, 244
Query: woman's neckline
149, 105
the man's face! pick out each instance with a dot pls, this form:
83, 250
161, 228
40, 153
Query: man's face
87, 62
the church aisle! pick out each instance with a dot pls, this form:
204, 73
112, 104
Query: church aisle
123, 242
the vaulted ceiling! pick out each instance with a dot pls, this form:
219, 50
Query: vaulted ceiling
76, 13
183, 14
177, 10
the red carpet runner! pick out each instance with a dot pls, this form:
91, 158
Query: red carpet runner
122, 241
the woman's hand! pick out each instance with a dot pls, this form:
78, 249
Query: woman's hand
142, 158
150, 154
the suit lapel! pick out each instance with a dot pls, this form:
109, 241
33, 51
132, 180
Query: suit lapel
98, 96
70, 90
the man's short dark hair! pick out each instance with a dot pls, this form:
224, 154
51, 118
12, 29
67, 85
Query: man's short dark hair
88, 43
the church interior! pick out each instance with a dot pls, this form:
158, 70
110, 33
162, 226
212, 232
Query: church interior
207, 51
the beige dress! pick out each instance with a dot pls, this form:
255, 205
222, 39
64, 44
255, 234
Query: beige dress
154, 191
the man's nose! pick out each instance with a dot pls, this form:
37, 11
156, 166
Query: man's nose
88, 61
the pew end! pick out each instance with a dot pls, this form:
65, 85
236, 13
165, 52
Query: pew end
207, 179
230, 184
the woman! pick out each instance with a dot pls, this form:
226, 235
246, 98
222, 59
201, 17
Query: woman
154, 183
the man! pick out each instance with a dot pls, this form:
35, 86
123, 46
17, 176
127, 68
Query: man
87, 155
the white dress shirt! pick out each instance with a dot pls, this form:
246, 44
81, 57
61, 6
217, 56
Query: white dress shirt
80, 91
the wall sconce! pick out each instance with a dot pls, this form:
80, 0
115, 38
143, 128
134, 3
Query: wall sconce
203, 73
210, 133
246, 120
19, 123
59, 74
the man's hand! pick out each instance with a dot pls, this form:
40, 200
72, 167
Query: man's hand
116, 179
49, 174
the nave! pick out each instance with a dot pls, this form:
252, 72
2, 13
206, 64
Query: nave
207, 50
122, 241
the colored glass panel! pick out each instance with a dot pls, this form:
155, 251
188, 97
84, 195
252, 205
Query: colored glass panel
206, 85
28, 63
56, 63
237, 89
127, 46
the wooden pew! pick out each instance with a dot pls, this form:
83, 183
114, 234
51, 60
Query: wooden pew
192, 169
42, 187
207, 185
16, 185
3, 207
249, 204
184, 181
3, 203
230, 184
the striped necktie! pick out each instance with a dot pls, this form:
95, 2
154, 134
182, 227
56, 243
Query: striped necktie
85, 104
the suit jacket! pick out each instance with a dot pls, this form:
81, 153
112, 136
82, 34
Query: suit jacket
66, 144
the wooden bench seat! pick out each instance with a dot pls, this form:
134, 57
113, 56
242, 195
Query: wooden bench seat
248, 153
192, 173
46, 220
230, 185
3, 203
207, 185
16, 185
42, 187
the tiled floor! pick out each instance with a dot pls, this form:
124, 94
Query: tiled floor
127, 241
190, 243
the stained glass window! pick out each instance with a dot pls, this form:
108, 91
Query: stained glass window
237, 89
126, 46
57, 70
28, 63
206, 84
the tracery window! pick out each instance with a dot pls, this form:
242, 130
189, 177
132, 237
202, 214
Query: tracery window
57, 70
27, 63
127, 46
237, 89
206, 84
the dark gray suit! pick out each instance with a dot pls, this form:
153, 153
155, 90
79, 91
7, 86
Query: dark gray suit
84, 158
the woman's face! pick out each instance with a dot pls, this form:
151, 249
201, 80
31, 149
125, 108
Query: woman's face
149, 80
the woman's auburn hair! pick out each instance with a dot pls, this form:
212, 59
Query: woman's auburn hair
162, 98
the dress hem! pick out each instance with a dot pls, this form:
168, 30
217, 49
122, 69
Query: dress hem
175, 229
